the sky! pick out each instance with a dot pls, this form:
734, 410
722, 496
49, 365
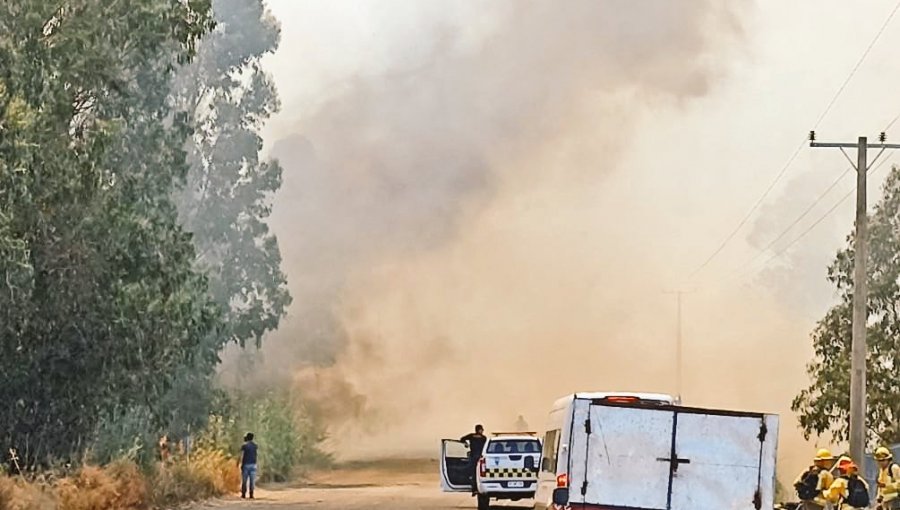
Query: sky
602, 155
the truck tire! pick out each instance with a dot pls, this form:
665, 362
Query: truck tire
484, 502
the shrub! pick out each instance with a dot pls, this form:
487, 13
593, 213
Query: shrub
277, 429
287, 434
123, 435
206, 473
132, 479
18, 495
121, 485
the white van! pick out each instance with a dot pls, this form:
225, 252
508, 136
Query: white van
642, 451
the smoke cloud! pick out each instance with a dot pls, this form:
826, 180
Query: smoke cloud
465, 241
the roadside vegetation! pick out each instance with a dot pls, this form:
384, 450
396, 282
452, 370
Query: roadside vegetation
824, 406
142, 477
134, 247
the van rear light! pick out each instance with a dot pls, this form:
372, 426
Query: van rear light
622, 400
482, 466
562, 480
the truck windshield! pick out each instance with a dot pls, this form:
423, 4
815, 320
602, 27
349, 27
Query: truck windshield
514, 446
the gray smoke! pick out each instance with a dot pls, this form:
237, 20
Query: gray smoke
455, 218
388, 164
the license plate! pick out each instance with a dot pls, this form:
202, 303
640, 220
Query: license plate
516, 485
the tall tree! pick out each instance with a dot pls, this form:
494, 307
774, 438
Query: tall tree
226, 202
823, 407
102, 303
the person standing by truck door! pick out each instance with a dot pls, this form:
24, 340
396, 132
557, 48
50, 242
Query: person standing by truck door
888, 480
849, 491
813, 484
476, 442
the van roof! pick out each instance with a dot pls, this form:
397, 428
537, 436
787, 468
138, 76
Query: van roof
564, 401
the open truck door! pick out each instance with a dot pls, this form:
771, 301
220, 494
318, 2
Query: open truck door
456, 474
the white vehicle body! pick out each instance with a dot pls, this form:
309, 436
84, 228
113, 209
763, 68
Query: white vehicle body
643, 452
507, 468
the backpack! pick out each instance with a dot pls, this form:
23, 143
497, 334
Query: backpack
857, 494
890, 472
808, 488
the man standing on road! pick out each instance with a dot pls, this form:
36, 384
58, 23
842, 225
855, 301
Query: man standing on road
476, 442
248, 465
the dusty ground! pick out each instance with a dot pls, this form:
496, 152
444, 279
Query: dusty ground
394, 485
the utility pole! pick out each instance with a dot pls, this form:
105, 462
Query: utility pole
860, 289
679, 344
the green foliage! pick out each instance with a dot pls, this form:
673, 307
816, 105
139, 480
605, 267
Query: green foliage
273, 421
133, 236
823, 407
226, 201
101, 302
123, 435
287, 435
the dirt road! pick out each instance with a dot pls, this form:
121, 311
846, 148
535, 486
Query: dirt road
395, 485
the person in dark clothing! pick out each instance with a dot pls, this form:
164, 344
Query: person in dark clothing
248, 465
476, 442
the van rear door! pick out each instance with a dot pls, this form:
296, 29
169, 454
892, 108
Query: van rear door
621, 467
728, 460
671, 458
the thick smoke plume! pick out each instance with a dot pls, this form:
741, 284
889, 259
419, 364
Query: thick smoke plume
465, 242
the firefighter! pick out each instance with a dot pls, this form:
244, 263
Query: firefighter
521, 425
813, 483
888, 480
849, 491
476, 442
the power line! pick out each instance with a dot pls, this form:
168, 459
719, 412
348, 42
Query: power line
859, 62
797, 220
892, 122
817, 222
747, 216
790, 160
813, 205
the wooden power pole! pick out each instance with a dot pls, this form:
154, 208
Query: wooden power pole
860, 289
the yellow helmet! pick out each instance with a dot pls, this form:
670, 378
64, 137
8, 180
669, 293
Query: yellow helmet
883, 453
824, 454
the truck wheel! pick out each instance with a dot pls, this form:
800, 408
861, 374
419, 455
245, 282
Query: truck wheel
484, 502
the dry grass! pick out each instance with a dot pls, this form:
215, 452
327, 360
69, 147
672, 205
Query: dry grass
16, 494
123, 486
206, 474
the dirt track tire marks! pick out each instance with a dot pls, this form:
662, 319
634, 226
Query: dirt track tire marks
403, 497
383, 485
